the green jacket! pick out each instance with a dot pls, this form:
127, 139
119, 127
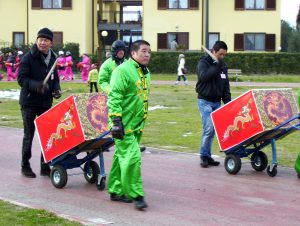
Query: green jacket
105, 72
93, 75
128, 97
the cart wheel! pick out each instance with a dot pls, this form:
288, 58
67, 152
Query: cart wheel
259, 161
272, 173
298, 175
233, 164
101, 183
59, 176
91, 171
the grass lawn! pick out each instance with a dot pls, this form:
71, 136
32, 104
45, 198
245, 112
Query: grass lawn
16, 215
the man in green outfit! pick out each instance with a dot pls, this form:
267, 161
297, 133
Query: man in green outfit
118, 50
128, 107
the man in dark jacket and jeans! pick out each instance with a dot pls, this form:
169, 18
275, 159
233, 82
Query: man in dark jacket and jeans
212, 87
36, 97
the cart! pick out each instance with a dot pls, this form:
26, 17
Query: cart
91, 170
72, 134
253, 147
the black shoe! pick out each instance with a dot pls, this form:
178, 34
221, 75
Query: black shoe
204, 162
122, 198
140, 203
212, 162
27, 172
45, 172
142, 148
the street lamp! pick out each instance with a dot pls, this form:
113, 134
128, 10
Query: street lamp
104, 35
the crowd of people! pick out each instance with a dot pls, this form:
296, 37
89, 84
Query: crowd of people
11, 63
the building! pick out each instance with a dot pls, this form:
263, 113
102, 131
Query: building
70, 21
245, 25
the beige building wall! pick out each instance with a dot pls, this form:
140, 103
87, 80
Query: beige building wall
12, 18
223, 18
76, 24
161, 21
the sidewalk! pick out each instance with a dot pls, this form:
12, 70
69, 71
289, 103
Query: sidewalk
178, 191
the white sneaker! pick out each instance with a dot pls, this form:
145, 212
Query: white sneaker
177, 82
186, 82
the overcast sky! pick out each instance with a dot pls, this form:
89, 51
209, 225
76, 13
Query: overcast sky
289, 10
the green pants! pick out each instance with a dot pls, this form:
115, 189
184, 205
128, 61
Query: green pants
125, 174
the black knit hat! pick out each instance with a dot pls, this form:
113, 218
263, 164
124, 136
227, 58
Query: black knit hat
45, 33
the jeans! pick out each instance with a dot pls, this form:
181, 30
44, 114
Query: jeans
206, 108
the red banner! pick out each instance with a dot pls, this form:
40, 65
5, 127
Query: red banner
237, 121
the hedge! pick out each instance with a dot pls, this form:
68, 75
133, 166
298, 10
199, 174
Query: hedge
249, 63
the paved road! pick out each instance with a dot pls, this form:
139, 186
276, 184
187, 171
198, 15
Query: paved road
178, 192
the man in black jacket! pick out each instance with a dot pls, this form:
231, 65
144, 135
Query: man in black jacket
212, 87
36, 97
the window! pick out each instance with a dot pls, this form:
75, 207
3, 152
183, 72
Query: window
52, 4
254, 42
58, 38
255, 4
212, 38
178, 4
18, 39
164, 40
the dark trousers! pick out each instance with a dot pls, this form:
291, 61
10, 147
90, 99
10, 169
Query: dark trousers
29, 114
91, 86
183, 76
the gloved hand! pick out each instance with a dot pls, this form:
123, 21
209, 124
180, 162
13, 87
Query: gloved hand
56, 94
41, 88
117, 129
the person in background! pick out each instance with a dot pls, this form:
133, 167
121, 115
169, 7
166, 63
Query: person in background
35, 96
181, 70
85, 67
128, 108
118, 49
174, 44
69, 75
10, 67
212, 87
93, 78
18, 60
61, 65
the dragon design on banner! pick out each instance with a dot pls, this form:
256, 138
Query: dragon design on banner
65, 125
243, 117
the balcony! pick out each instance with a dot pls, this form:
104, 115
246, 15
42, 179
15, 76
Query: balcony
117, 20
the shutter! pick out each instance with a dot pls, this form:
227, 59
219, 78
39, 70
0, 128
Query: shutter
270, 42
35, 4
238, 42
194, 4
271, 5
183, 39
162, 4
57, 38
162, 41
239, 5
67, 4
